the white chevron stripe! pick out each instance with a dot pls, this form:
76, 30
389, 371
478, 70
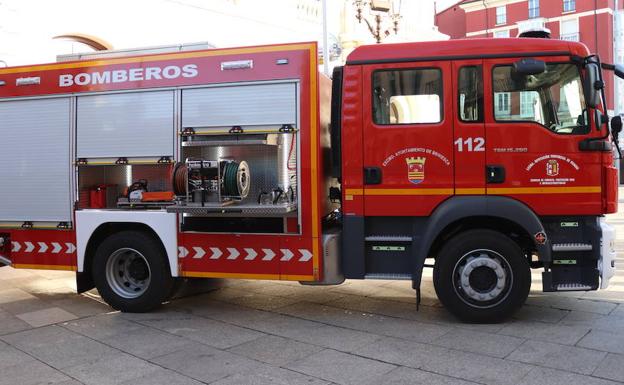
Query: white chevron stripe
216, 253
199, 253
286, 255
182, 252
251, 254
233, 253
56, 247
29, 247
268, 254
16, 247
305, 255
71, 248
42, 247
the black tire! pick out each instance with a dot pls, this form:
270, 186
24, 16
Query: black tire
147, 280
492, 262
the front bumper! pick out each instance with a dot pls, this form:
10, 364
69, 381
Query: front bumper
606, 264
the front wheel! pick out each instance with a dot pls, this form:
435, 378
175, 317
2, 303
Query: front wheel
482, 276
131, 272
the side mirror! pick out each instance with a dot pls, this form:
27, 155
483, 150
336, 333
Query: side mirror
592, 85
619, 71
529, 67
616, 126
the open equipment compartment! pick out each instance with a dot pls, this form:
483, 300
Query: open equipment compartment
238, 168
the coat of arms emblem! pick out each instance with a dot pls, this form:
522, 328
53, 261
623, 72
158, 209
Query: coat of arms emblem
552, 167
416, 169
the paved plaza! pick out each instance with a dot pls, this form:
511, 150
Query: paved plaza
253, 332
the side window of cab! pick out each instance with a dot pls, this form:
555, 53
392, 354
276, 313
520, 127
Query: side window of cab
407, 96
553, 99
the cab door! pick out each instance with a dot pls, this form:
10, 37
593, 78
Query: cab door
469, 133
534, 125
408, 137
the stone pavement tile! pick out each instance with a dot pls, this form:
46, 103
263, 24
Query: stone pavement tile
278, 324
268, 375
81, 305
603, 341
147, 342
49, 286
226, 312
11, 324
613, 294
275, 350
372, 323
58, 347
103, 326
494, 345
539, 331
46, 317
448, 362
566, 302
611, 368
262, 301
7, 272
409, 376
309, 293
206, 331
619, 310
341, 367
544, 376
111, 369
392, 327
34, 373
540, 314
477, 368
400, 352
14, 295
337, 338
10, 356
315, 312
377, 306
207, 364
610, 323
162, 376
25, 306
568, 358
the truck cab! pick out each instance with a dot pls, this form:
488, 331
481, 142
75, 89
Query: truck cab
490, 156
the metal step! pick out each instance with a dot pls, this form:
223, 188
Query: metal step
4, 261
572, 247
389, 276
572, 287
388, 238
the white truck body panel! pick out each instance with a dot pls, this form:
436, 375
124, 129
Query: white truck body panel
163, 223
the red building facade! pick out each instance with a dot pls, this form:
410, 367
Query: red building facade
588, 21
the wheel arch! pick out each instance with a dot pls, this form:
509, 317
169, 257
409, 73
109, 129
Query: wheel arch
93, 227
471, 212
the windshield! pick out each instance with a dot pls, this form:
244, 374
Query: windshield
553, 98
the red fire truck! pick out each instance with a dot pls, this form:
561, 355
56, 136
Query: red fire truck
491, 157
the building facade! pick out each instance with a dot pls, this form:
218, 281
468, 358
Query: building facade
592, 22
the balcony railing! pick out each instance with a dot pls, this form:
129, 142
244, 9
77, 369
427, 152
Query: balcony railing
570, 36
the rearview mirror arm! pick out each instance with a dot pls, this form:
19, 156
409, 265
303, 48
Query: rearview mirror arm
616, 68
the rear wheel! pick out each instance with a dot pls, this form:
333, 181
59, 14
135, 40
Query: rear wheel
131, 272
482, 276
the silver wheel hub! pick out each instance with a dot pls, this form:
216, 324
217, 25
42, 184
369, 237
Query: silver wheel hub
483, 261
128, 273
482, 278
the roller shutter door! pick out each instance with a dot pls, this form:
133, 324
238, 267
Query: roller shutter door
35, 162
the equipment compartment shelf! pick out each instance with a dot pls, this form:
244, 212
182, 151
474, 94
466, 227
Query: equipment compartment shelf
236, 210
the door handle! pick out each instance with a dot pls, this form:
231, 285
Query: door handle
372, 175
494, 174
